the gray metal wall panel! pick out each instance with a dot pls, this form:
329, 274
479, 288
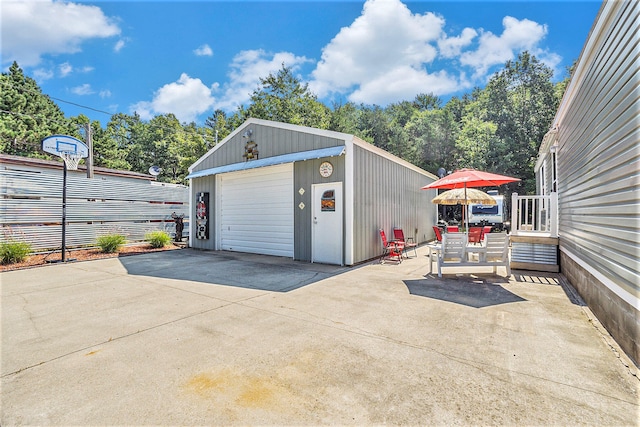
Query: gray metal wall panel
386, 195
534, 253
598, 156
305, 174
205, 184
271, 140
31, 206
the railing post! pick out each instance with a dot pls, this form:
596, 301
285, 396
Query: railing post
553, 213
514, 214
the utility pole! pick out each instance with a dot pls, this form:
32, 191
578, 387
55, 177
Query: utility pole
87, 128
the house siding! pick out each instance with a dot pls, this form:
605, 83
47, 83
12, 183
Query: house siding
598, 152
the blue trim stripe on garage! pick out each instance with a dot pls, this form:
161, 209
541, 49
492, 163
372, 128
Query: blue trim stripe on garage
271, 161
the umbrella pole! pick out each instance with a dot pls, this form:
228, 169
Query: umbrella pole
466, 206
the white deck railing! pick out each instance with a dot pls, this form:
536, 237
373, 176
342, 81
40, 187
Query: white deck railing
537, 215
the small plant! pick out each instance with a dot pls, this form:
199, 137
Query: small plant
14, 252
157, 239
111, 243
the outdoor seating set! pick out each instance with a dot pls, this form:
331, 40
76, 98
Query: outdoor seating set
396, 248
462, 250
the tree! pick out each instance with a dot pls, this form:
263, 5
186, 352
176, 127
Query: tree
427, 101
125, 133
345, 118
27, 115
520, 100
283, 98
216, 127
434, 132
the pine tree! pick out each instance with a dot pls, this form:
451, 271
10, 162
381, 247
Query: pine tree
27, 115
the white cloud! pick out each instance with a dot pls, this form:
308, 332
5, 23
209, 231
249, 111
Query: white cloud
82, 90
30, 29
451, 47
247, 68
204, 50
390, 54
403, 83
550, 59
119, 45
493, 50
386, 41
186, 99
65, 69
189, 97
105, 93
42, 75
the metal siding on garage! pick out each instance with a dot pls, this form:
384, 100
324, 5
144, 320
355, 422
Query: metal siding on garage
255, 211
205, 184
388, 194
305, 175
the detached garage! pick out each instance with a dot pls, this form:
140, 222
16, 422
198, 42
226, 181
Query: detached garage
303, 193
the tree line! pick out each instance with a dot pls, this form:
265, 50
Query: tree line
497, 128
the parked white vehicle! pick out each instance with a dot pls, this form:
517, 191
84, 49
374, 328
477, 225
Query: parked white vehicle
493, 215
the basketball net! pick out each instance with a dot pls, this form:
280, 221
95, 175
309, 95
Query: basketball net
71, 159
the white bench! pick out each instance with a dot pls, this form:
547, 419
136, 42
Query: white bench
455, 252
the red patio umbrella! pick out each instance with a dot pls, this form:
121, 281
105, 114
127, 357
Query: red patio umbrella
470, 178
464, 178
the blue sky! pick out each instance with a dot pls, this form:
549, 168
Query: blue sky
191, 58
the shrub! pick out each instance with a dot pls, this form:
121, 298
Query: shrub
14, 252
158, 238
110, 243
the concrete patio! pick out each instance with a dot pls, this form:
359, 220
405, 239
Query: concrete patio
216, 338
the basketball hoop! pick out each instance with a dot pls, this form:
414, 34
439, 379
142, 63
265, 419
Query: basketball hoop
71, 159
71, 150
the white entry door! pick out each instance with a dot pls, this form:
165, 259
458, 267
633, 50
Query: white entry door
327, 211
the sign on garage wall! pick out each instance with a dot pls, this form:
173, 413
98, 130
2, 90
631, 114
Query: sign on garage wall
202, 216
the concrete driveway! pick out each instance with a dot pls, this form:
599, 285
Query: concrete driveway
215, 338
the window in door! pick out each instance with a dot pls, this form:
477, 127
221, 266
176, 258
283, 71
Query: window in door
328, 201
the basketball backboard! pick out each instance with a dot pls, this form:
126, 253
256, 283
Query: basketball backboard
60, 144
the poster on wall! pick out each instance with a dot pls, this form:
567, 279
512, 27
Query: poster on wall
202, 216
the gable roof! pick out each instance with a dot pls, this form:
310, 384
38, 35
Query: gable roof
349, 139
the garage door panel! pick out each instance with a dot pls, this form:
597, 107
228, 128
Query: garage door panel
273, 212
256, 211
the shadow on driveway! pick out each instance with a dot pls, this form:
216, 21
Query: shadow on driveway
278, 274
474, 291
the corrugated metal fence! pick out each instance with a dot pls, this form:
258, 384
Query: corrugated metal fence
111, 202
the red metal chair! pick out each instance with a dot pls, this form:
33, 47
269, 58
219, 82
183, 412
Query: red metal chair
475, 235
438, 232
390, 249
486, 229
453, 229
398, 236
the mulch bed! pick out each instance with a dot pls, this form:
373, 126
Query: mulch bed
38, 260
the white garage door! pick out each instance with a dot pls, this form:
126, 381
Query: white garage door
255, 210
